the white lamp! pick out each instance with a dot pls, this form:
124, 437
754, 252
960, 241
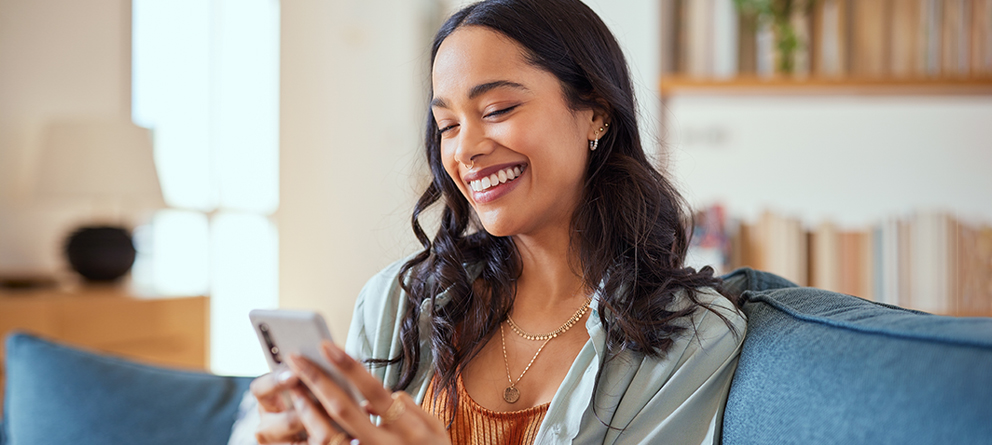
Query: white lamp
104, 163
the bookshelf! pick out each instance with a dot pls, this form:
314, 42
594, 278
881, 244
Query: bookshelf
894, 57
861, 47
683, 85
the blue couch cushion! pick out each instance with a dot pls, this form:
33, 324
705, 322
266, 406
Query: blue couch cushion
821, 367
60, 395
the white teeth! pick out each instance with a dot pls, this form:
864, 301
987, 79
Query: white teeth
495, 179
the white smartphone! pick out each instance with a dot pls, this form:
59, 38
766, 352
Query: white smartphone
284, 332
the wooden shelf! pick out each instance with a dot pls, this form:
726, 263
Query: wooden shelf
679, 85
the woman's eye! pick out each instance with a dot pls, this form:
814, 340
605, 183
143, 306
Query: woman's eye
443, 130
501, 112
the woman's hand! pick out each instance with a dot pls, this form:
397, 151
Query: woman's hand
335, 418
279, 421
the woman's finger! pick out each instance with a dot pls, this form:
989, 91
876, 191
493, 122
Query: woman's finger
379, 399
319, 428
279, 428
427, 421
268, 389
338, 404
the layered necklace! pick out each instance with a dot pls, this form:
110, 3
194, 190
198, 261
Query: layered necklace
511, 394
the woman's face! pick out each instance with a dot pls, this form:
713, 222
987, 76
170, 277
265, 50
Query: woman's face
508, 137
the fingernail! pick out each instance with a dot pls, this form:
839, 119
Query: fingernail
285, 376
334, 353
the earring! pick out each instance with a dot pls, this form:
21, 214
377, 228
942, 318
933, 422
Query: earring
593, 145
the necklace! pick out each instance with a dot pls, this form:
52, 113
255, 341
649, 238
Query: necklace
561, 330
511, 394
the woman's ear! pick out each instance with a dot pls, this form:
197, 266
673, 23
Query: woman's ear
599, 125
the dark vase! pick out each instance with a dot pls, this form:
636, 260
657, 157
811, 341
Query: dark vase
100, 253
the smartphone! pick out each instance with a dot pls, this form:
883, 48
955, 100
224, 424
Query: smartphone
285, 332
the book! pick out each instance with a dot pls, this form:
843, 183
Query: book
955, 38
669, 47
698, 34
981, 38
825, 257
831, 38
800, 21
904, 39
929, 60
724, 39
747, 41
870, 36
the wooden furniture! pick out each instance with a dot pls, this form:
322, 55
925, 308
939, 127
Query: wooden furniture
169, 331
683, 85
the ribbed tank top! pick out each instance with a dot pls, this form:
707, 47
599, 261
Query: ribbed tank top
474, 424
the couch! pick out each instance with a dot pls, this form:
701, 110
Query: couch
816, 367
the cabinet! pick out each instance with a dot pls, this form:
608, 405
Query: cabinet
168, 332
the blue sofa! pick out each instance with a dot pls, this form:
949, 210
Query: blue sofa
816, 368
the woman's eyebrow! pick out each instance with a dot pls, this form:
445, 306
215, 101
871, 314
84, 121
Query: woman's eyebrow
478, 90
481, 89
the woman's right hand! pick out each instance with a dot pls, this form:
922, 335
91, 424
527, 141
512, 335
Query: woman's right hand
280, 422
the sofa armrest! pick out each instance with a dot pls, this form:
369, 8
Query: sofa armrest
57, 394
820, 367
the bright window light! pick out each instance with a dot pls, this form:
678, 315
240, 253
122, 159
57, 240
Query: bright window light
205, 81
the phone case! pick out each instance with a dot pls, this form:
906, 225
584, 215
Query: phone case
284, 332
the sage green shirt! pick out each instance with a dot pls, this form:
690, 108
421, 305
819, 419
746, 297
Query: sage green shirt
676, 399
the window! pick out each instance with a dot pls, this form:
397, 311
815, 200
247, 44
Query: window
206, 82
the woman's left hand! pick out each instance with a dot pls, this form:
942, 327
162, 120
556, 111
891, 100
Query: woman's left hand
335, 418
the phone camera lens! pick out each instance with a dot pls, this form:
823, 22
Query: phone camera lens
263, 327
275, 350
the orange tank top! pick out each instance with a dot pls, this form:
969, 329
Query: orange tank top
474, 424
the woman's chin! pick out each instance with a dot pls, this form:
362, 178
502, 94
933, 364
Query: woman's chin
498, 226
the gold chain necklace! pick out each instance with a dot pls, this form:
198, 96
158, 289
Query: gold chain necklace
511, 394
561, 330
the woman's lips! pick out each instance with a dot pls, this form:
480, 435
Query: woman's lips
496, 184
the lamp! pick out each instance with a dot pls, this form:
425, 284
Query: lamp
100, 162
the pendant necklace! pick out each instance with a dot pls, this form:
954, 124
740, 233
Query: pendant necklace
511, 394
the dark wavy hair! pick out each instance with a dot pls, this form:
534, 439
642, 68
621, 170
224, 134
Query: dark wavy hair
629, 231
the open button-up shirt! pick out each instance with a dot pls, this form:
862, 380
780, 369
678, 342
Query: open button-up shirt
677, 398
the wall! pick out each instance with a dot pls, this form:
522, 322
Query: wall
851, 159
352, 104
57, 58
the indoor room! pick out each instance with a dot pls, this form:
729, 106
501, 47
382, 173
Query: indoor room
166, 167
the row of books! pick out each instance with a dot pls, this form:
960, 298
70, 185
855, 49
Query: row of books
930, 261
863, 39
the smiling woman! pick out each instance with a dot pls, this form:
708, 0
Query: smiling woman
552, 218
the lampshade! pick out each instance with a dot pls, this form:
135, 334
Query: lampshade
100, 161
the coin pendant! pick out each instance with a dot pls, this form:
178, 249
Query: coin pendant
511, 394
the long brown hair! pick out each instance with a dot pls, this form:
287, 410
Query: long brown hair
629, 230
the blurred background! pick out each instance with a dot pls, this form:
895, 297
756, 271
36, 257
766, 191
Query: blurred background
841, 143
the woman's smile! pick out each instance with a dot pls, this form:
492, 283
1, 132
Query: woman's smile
491, 183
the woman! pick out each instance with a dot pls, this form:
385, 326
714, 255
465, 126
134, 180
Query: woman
552, 305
